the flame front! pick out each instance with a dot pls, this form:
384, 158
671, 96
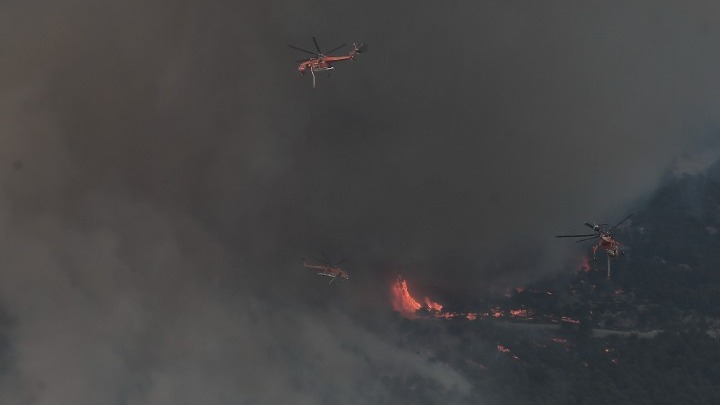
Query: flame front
402, 301
433, 306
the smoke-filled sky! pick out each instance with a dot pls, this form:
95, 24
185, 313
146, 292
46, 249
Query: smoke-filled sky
164, 167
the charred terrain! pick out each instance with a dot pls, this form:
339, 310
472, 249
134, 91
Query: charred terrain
647, 336
164, 166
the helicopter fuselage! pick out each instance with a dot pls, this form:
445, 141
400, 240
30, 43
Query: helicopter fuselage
321, 64
609, 245
328, 271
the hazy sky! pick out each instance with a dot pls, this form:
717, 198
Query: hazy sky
164, 167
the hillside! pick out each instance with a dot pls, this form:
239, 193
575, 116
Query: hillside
647, 336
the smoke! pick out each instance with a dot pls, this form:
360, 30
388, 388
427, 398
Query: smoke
164, 167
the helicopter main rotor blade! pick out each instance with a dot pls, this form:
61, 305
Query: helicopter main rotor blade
589, 225
304, 60
618, 224
303, 50
583, 240
317, 46
335, 49
575, 236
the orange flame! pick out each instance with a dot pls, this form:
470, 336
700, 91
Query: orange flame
402, 301
433, 306
585, 265
520, 313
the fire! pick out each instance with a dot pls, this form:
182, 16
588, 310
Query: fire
503, 349
585, 265
569, 320
433, 306
402, 301
520, 313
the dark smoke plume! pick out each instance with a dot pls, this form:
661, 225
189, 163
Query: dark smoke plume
164, 168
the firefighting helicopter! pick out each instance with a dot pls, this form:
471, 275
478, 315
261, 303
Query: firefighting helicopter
328, 269
322, 62
611, 246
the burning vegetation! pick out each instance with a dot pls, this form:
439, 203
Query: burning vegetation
402, 301
410, 307
585, 264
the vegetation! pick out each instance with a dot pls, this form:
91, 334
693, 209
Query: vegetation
667, 285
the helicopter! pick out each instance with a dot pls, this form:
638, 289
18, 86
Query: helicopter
321, 62
328, 269
611, 246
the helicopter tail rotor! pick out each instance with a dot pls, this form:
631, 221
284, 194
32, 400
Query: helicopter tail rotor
358, 49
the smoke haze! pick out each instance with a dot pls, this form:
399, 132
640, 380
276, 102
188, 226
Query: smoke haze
163, 169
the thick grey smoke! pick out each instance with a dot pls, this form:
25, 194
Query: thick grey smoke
163, 168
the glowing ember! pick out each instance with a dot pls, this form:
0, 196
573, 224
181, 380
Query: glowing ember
585, 265
402, 301
497, 313
559, 340
503, 349
433, 306
569, 320
471, 316
520, 313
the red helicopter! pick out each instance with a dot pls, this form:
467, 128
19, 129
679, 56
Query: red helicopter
321, 62
606, 241
328, 269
